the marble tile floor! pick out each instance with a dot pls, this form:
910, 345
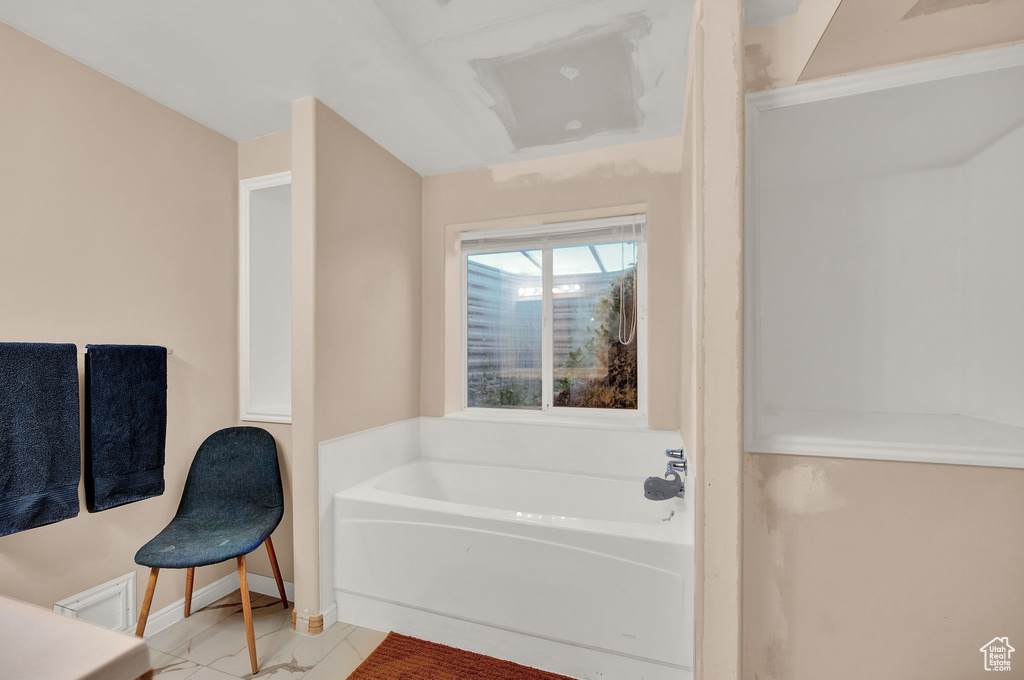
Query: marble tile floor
210, 645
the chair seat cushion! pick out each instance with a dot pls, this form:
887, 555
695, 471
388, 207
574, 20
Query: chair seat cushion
201, 540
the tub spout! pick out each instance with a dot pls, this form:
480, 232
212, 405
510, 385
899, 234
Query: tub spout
658, 489
672, 486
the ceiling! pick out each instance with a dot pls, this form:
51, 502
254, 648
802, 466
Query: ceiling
443, 84
890, 131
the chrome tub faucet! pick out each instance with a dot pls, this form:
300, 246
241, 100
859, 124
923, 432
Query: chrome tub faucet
672, 485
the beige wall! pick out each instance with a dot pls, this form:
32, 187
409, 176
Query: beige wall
642, 177
828, 38
265, 155
899, 570
367, 282
356, 304
305, 464
715, 159
776, 56
256, 157
866, 34
118, 225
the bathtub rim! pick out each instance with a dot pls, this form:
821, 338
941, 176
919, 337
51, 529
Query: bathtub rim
678, 531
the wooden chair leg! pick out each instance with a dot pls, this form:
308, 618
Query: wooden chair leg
140, 629
190, 576
250, 635
277, 572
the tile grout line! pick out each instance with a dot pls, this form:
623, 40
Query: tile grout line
271, 602
213, 606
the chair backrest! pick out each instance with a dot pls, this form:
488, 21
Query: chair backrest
235, 471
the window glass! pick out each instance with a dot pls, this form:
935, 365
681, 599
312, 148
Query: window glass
505, 305
595, 326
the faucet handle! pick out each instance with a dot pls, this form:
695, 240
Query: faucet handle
678, 462
672, 486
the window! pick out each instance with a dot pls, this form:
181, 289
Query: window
554, 317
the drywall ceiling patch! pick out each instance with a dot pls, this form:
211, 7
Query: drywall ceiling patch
923, 7
578, 87
768, 12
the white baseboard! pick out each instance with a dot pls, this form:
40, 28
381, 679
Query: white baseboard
301, 620
330, 615
209, 594
175, 612
265, 585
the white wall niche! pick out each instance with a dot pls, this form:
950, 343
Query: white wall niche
264, 298
883, 264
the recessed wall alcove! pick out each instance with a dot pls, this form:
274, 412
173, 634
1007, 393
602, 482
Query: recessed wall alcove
885, 264
265, 286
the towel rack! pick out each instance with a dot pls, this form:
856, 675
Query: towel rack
85, 351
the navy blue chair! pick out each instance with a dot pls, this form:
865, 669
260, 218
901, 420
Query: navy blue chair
232, 501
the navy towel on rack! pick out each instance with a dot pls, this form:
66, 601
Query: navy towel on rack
39, 435
126, 424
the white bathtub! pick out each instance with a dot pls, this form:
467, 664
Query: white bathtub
577, 574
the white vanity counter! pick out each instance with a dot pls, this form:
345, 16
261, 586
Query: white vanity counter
37, 643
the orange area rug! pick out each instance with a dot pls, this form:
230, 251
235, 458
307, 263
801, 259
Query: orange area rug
406, 658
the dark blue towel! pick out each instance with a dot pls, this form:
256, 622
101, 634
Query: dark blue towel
39, 435
125, 424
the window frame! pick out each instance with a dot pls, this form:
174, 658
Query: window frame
549, 413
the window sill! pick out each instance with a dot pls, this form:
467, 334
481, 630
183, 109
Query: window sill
266, 416
601, 421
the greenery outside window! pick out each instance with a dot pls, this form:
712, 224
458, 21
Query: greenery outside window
554, 318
